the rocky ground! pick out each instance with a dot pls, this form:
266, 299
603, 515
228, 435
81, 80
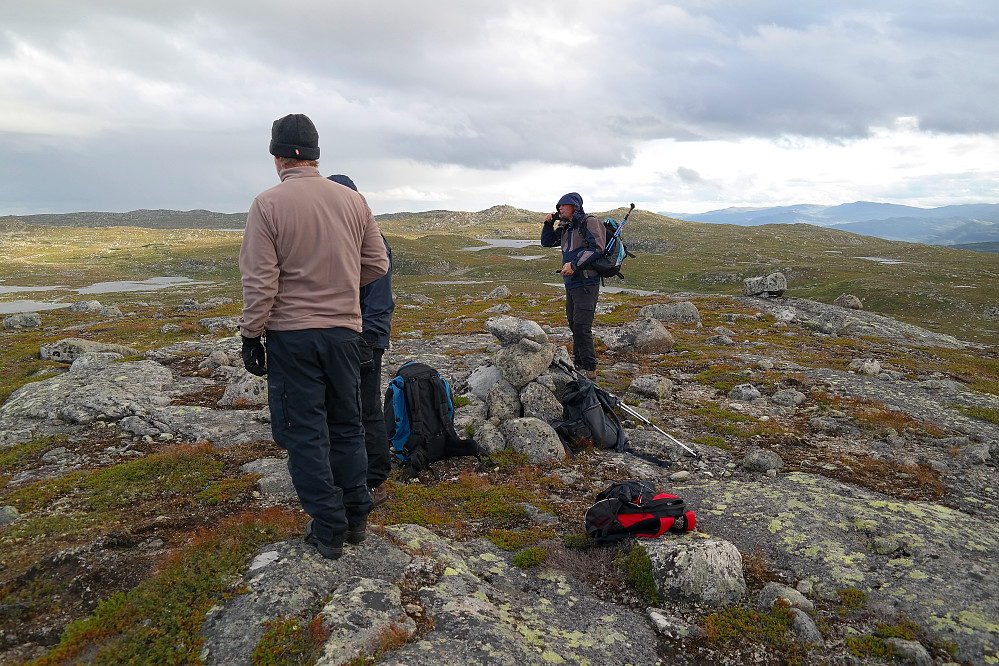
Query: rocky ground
846, 465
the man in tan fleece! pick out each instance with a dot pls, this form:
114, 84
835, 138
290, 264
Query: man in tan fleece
309, 246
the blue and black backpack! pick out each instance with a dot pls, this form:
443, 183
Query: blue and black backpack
419, 418
609, 263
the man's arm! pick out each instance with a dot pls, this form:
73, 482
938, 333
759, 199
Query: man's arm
550, 237
374, 258
258, 267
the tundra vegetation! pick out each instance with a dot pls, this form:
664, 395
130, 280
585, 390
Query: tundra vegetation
73, 571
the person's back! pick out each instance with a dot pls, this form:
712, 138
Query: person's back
315, 232
309, 245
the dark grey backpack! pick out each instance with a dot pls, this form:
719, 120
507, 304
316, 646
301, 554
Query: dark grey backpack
588, 415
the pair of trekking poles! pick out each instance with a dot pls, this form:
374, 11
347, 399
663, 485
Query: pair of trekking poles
624, 407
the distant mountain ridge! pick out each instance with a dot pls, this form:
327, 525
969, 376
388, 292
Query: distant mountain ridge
946, 225
152, 219
965, 226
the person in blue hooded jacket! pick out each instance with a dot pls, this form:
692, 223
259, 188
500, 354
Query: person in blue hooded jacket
582, 239
377, 305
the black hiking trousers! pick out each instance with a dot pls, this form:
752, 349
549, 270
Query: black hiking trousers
580, 307
376, 440
314, 392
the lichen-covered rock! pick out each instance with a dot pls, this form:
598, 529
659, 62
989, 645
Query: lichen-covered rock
540, 402
788, 397
805, 629
482, 379
22, 320
511, 330
287, 579
275, 479
359, 612
524, 361
774, 284
695, 568
490, 439
503, 401
655, 387
86, 306
107, 393
89, 361
848, 301
245, 390
216, 324
68, 349
866, 366
8, 514
823, 530
645, 336
762, 460
682, 312
744, 392
534, 437
792, 597
477, 607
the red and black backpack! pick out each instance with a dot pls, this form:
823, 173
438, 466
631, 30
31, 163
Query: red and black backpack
634, 509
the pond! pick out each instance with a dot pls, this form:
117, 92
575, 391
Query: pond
151, 284
502, 242
882, 260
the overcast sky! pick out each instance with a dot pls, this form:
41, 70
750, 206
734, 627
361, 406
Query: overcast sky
114, 105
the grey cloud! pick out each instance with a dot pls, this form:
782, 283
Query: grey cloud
688, 175
451, 82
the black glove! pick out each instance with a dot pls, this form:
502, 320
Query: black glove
254, 356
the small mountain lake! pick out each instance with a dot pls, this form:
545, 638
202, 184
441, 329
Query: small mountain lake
150, 284
502, 242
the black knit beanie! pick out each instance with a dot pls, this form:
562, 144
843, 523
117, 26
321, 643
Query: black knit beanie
343, 180
295, 136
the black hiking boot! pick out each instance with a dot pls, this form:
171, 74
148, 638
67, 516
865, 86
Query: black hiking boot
326, 550
356, 535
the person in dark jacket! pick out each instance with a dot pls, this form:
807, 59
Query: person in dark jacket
376, 322
582, 239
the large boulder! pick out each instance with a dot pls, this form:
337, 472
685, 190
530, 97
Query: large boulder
503, 401
109, 393
245, 390
655, 387
534, 437
482, 379
86, 306
524, 361
68, 349
477, 607
22, 320
681, 312
540, 402
645, 336
774, 284
698, 569
511, 330
848, 301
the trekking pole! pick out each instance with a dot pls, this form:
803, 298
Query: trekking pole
613, 239
572, 371
644, 420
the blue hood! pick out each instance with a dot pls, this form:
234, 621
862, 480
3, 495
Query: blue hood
577, 201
